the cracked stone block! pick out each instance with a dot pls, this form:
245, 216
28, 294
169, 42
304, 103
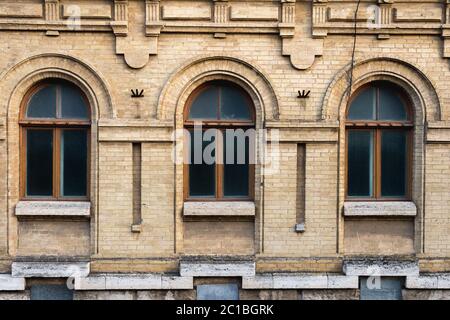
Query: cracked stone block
243, 208
198, 269
50, 269
368, 209
53, 208
8, 283
381, 268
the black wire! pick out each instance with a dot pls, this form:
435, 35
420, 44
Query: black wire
355, 29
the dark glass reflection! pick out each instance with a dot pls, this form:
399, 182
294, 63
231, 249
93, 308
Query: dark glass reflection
74, 163
202, 167
234, 105
364, 105
39, 162
236, 165
360, 163
43, 103
391, 106
393, 163
206, 105
73, 105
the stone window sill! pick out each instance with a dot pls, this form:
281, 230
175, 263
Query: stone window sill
219, 209
380, 208
53, 208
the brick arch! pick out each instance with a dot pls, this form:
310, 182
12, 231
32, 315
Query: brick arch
184, 80
426, 107
15, 83
417, 85
22, 76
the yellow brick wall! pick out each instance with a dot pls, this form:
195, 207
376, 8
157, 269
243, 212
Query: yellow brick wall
320, 206
212, 237
3, 198
111, 80
437, 201
157, 236
53, 238
115, 200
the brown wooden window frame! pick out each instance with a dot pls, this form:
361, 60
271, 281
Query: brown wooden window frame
377, 127
57, 125
220, 126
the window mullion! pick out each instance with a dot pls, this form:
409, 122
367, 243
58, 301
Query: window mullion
187, 160
219, 164
57, 163
377, 104
377, 163
410, 159
24, 161
219, 101
58, 102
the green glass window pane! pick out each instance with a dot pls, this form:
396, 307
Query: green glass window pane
205, 105
236, 165
50, 292
202, 166
360, 163
363, 106
43, 103
234, 104
73, 105
393, 163
39, 163
391, 106
74, 163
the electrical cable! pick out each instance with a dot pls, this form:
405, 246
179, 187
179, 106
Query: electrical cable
355, 29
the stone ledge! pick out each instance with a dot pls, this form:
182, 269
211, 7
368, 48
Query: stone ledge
300, 281
8, 283
437, 281
381, 268
217, 269
53, 208
50, 269
297, 124
134, 282
375, 208
219, 208
134, 123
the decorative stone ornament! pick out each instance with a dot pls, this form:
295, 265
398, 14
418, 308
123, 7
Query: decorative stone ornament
446, 31
137, 47
302, 51
130, 41
51, 10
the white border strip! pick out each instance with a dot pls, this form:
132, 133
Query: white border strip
431, 281
8, 283
134, 282
300, 281
50, 269
222, 269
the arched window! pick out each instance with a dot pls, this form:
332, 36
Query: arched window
219, 119
379, 132
55, 128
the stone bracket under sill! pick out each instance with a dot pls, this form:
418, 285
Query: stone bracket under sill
380, 209
219, 209
53, 208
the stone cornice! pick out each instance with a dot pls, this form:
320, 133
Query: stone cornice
330, 16
382, 18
